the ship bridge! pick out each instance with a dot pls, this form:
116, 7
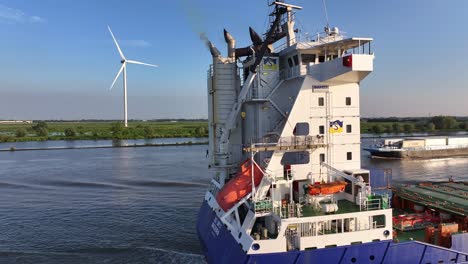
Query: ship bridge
331, 59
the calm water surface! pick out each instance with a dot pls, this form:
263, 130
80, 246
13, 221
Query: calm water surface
125, 205
118, 205
96, 143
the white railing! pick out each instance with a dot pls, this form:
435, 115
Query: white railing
289, 210
293, 141
373, 204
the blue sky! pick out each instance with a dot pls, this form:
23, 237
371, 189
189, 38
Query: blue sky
58, 58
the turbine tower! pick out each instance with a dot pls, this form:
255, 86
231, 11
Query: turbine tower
123, 69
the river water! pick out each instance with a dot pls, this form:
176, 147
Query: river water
125, 205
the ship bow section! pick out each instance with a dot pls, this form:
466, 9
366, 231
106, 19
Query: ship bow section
217, 242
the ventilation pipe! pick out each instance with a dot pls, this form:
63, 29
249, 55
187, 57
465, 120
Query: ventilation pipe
213, 50
231, 43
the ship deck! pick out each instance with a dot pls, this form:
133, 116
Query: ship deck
403, 236
344, 207
446, 196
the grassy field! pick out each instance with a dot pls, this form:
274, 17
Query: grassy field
101, 130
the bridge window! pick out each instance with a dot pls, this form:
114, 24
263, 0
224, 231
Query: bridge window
350, 224
348, 100
322, 157
321, 101
296, 60
378, 221
321, 130
349, 155
308, 58
297, 157
348, 129
301, 129
290, 63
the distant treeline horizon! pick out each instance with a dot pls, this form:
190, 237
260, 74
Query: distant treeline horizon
11, 131
364, 119
108, 120
409, 119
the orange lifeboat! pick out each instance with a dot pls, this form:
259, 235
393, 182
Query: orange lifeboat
326, 188
239, 187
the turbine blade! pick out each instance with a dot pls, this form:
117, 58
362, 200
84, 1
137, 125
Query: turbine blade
142, 63
116, 44
117, 76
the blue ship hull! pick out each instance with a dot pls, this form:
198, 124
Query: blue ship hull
222, 248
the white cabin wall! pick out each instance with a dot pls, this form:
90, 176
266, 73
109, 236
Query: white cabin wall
343, 142
339, 93
340, 157
290, 100
316, 110
297, 115
306, 108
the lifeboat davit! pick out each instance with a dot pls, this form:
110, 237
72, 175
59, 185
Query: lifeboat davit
326, 188
238, 187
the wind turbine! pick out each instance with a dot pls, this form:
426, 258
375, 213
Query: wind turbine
123, 69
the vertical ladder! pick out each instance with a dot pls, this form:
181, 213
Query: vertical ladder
329, 136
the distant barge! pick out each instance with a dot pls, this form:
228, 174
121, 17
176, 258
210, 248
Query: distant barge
420, 148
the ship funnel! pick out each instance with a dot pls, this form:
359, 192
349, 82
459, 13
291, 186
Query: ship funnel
231, 44
213, 50
256, 39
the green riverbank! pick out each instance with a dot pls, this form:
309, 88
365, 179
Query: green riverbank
97, 130
106, 130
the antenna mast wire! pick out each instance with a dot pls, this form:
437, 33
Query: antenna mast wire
326, 12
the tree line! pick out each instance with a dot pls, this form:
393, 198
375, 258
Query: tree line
436, 123
144, 130
115, 130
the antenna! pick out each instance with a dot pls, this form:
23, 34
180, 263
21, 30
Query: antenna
287, 5
327, 28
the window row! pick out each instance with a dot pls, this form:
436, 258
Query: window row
329, 227
303, 157
340, 226
321, 101
349, 156
349, 129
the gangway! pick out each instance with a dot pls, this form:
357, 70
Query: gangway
294, 143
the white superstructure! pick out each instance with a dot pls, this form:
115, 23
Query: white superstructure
294, 113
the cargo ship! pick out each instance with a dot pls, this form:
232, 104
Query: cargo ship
420, 148
284, 148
